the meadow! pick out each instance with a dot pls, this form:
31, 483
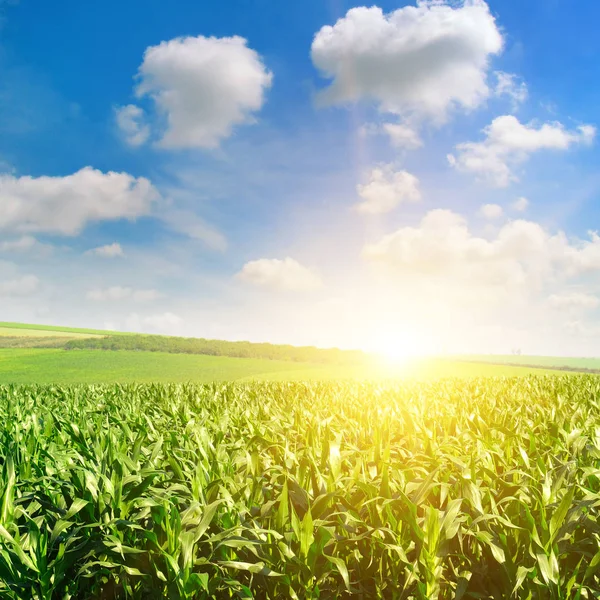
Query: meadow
548, 362
48, 354
57, 366
478, 488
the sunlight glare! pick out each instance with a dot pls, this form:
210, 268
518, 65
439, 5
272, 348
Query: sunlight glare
397, 347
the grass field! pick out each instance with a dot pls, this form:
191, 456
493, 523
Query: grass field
40, 333
549, 362
88, 366
39, 330
136, 363
482, 488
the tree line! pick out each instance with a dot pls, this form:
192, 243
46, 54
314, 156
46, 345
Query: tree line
181, 345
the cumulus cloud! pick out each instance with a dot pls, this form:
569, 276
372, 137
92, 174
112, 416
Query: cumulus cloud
26, 285
418, 61
508, 143
573, 300
402, 136
167, 323
511, 86
25, 243
386, 189
131, 120
521, 254
491, 211
118, 293
287, 275
65, 205
113, 250
520, 204
202, 88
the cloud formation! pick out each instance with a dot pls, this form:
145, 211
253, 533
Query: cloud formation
65, 205
22, 244
202, 87
386, 189
113, 250
491, 211
511, 86
521, 255
509, 143
520, 204
131, 120
402, 136
283, 275
418, 61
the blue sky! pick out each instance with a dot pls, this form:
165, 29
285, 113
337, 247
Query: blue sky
422, 177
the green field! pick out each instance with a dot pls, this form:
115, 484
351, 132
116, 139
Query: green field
39, 330
481, 488
196, 474
88, 366
40, 333
549, 362
63, 355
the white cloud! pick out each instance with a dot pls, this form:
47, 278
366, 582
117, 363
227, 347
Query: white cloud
508, 142
118, 293
418, 61
520, 204
573, 300
113, 250
203, 87
387, 189
26, 285
166, 323
491, 211
521, 255
131, 120
65, 205
286, 274
22, 244
402, 136
510, 85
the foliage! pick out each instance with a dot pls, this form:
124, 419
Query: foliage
29, 341
487, 488
180, 345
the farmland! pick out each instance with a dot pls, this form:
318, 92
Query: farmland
548, 362
481, 488
57, 366
26, 329
46, 354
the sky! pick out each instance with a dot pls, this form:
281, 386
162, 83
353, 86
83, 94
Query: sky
410, 178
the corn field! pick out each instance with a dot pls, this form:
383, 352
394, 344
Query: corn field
484, 488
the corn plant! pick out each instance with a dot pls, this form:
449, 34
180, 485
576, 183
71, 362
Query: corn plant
484, 488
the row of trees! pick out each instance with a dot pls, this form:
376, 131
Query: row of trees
180, 345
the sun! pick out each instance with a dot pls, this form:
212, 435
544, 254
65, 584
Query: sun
396, 347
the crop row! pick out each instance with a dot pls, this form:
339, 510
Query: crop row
484, 488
